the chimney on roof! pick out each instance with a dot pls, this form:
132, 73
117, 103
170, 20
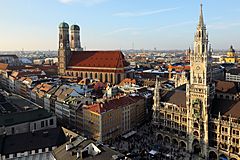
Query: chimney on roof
101, 105
68, 146
78, 154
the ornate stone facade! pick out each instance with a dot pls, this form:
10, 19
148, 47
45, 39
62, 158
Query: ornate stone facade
190, 117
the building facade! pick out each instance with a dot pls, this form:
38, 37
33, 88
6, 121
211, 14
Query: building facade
25, 122
233, 75
194, 117
107, 66
106, 121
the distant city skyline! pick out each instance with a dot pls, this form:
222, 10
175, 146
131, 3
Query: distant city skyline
113, 24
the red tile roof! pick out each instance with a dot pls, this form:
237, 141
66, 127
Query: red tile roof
97, 70
127, 81
104, 59
113, 104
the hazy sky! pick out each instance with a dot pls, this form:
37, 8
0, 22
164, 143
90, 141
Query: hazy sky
118, 24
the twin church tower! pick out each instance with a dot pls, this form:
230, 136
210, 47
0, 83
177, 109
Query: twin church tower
106, 66
75, 44
64, 51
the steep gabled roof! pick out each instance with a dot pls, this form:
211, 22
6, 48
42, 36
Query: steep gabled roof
103, 59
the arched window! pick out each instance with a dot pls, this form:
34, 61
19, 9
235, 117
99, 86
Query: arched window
91, 75
100, 77
111, 78
86, 75
81, 75
195, 125
76, 74
96, 75
119, 78
194, 79
195, 133
106, 77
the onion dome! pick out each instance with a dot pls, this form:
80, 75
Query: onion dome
63, 25
75, 27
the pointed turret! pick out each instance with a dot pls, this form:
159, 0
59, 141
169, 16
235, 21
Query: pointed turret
156, 98
156, 94
201, 22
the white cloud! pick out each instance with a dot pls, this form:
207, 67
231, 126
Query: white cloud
84, 2
145, 13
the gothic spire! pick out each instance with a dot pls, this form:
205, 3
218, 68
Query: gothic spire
156, 90
201, 22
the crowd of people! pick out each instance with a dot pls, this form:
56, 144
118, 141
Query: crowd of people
145, 145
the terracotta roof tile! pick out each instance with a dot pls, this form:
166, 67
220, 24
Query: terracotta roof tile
104, 59
127, 81
113, 104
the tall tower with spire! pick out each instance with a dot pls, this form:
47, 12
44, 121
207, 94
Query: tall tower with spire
200, 91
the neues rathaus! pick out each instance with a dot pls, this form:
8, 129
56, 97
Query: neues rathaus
197, 117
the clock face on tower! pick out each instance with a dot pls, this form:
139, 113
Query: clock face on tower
197, 68
61, 45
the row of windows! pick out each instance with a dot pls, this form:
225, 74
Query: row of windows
44, 124
234, 140
35, 151
233, 77
234, 132
91, 75
172, 108
224, 129
175, 125
176, 118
